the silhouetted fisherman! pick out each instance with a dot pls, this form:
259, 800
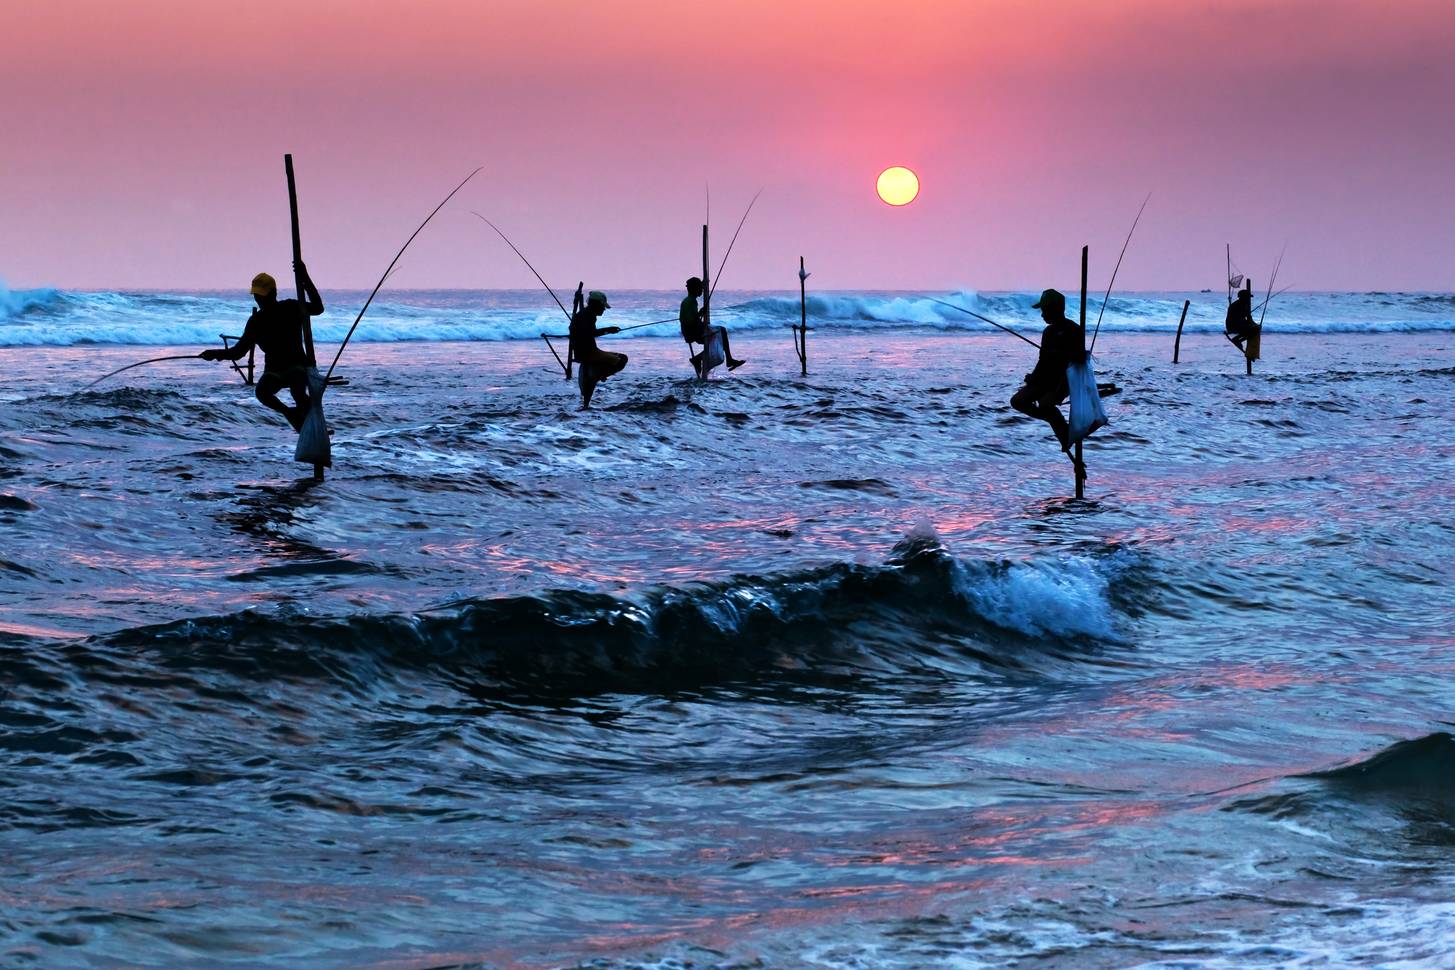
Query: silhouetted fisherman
276, 328
1239, 324
596, 364
1046, 386
695, 330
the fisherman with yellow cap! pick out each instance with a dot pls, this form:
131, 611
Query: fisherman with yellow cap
1046, 385
596, 364
276, 328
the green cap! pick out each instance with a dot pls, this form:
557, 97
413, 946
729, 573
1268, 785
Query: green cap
596, 296
1051, 300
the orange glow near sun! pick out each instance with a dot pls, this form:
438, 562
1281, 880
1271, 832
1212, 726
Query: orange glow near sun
897, 185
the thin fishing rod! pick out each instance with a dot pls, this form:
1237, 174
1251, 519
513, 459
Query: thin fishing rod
1281, 291
524, 260
1117, 267
717, 279
654, 323
638, 326
364, 309
977, 316
1271, 280
139, 364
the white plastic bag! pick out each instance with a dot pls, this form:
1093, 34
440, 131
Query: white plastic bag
1087, 414
712, 353
313, 444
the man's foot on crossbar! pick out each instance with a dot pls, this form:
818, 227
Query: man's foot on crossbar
1080, 466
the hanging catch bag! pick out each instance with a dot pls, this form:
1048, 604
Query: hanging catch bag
1087, 414
313, 443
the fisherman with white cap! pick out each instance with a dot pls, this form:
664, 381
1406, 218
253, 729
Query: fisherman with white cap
596, 364
276, 328
1046, 386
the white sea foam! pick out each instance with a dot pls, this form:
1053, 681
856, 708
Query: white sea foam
49, 317
1066, 596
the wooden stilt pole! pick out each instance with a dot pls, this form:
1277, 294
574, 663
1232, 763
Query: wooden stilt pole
1177, 346
1248, 343
298, 278
578, 303
1229, 275
1085, 253
298, 258
706, 285
698, 362
802, 318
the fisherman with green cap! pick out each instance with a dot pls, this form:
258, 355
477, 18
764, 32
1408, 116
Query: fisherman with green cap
1046, 386
276, 328
596, 364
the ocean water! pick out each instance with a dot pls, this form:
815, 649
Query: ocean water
48, 317
767, 670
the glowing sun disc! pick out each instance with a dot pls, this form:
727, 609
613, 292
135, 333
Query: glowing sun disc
897, 185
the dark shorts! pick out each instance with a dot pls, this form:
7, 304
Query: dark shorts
1042, 394
603, 363
294, 378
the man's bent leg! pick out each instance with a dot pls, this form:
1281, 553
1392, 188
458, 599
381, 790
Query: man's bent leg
727, 350
267, 394
1027, 402
610, 364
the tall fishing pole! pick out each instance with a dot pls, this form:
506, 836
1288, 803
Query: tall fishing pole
524, 260
1281, 290
139, 364
731, 242
1013, 333
1271, 280
1115, 269
392, 263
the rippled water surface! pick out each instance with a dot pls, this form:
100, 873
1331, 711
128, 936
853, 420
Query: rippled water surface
768, 670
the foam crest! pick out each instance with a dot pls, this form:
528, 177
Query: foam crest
48, 317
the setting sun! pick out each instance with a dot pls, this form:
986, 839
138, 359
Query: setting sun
898, 185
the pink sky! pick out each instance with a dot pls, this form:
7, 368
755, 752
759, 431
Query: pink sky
142, 141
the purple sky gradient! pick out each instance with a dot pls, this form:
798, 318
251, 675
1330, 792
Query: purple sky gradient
143, 141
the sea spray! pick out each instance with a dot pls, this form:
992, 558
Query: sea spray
45, 317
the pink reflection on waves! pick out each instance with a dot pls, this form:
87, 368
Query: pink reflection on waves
842, 905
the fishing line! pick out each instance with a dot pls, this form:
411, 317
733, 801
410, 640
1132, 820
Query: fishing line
389, 270
1114, 271
977, 316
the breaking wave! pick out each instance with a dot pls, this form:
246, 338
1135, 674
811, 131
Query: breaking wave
922, 607
18, 303
48, 317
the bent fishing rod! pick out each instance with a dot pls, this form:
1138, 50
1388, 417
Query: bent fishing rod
977, 316
524, 260
392, 263
652, 323
1271, 280
565, 364
1114, 271
716, 279
141, 363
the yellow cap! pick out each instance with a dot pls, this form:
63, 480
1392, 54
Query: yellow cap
263, 284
